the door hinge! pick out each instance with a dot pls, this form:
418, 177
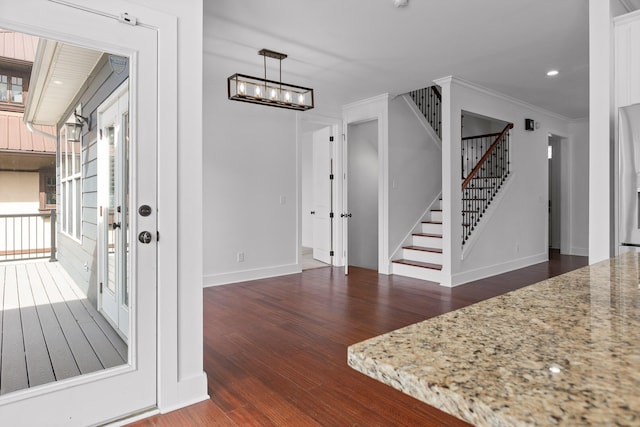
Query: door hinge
331, 139
125, 18
331, 176
100, 133
330, 253
157, 236
100, 287
330, 214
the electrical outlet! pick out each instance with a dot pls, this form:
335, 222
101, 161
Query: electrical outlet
240, 256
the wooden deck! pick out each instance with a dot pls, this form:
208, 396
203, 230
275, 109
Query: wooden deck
49, 331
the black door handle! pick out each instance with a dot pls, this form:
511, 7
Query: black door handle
313, 212
345, 215
115, 225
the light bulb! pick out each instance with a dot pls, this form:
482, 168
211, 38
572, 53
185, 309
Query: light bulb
257, 92
273, 94
301, 99
287, 97
242, 89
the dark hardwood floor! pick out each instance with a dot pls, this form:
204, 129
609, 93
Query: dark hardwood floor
276, 349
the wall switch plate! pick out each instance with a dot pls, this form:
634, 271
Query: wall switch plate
240, 256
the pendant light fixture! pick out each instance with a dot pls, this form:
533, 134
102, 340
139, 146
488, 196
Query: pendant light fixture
256, 90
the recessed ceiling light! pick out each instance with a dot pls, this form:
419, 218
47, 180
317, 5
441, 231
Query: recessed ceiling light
552, 73
57, 82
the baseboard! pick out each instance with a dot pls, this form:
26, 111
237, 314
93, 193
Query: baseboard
492, 270
577, 251
246, 275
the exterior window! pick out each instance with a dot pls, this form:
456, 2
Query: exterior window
47, 189
11, 88
70, 203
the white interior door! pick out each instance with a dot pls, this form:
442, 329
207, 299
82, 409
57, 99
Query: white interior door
113, 209
322, 195
110, 393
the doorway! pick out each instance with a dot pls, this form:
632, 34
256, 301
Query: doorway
317, 198
362, 176
554, 154
80, 59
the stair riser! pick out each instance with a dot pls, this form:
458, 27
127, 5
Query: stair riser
417, 272
422, 256
427, 242
436, 216
432, 228
437, 205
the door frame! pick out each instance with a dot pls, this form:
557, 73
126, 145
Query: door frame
376, 108
176, 384
566, 171
306, 122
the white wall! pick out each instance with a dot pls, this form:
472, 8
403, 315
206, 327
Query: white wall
250, 192
415, 171
515, 235
473, 125
363, 194
576, 200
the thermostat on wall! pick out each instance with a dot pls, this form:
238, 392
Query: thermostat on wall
529, 124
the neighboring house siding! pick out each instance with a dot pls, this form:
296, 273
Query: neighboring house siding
80, 259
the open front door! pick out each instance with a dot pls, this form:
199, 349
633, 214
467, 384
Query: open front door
123, 174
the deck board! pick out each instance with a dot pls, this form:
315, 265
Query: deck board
49, 331
103, 348
39, 369
62, 360
14, 367
84, 354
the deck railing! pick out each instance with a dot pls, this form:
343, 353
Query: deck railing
28, 236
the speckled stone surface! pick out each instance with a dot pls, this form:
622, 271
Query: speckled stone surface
563, 352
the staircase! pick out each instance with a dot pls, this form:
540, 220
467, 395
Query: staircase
422, 258
485, 168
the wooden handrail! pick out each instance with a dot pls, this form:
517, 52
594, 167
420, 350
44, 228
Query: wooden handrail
437, 92
486, 155
480, 136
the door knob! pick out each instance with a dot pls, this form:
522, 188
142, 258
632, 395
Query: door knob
313, 212
345, 215
116, 225
144, 237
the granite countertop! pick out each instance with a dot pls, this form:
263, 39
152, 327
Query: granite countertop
562, 352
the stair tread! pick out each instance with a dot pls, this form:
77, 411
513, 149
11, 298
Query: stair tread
468, 199
436, 210
423, 249
432, 222
439, 236
419, 264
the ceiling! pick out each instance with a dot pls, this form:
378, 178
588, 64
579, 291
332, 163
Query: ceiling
355, 49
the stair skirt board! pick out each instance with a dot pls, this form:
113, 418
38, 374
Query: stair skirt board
416, 272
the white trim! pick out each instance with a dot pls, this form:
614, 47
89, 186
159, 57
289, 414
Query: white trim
492, 270
376, 108
578, 251
506, 98
626, 18
254, 274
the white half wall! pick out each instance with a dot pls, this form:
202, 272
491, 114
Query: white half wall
576, 198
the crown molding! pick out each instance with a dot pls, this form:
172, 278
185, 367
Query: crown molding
490, 92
